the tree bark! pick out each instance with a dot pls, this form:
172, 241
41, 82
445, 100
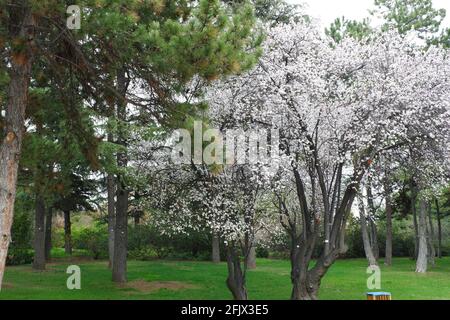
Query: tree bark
39, 234
388, 251
21, 28
430, 237
236, 277
120, 236
251, 258
416, 224
365, 235
438, 215
422, 257
111, 189
373, 233
67, 233
119, 273
48, 233
215, 248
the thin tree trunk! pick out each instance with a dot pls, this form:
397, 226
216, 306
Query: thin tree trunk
119, 272
120, 236
365, 235
438, 214
251, 258
373, 233
67, 233
48, 233
422, 257
236, 277
22, 27
416, 224
388, 251
39, 234
111, 188
215, 248
430, 233
343, 248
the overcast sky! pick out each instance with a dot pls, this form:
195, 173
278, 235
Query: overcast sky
328, 10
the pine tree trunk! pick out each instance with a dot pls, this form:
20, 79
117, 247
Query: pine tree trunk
422, 257
67, 233
215, 249
388, 251
39, 234
119, 272
48, 233
120, 236
365, 235
111, 189
22, 26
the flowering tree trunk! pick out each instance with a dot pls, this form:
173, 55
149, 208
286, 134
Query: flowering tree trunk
438, 215
21, 30
250, 260
365, 235
236, 276
215, 249
388, 251
422, 254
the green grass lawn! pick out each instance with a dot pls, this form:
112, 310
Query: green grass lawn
203, 280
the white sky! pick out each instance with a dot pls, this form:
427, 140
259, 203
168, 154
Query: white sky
328, 10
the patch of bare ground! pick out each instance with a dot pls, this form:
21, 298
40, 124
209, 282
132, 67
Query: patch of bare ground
143, 286
7, 285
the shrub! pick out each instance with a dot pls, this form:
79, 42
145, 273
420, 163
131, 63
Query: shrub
19, 257
143, 254
262, 252
94, 240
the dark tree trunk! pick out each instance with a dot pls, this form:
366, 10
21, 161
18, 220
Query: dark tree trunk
67, 233
438, 215
250, 260
111, 188
388, 252
299, 276
39, 235
137, 220
215, 249
365, 235
120, 236
21, 27
430, 237
236, 277
48, 233
422, 257
119, 272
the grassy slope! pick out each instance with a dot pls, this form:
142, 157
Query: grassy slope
345, 280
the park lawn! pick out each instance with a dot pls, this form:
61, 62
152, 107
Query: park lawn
203, 280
